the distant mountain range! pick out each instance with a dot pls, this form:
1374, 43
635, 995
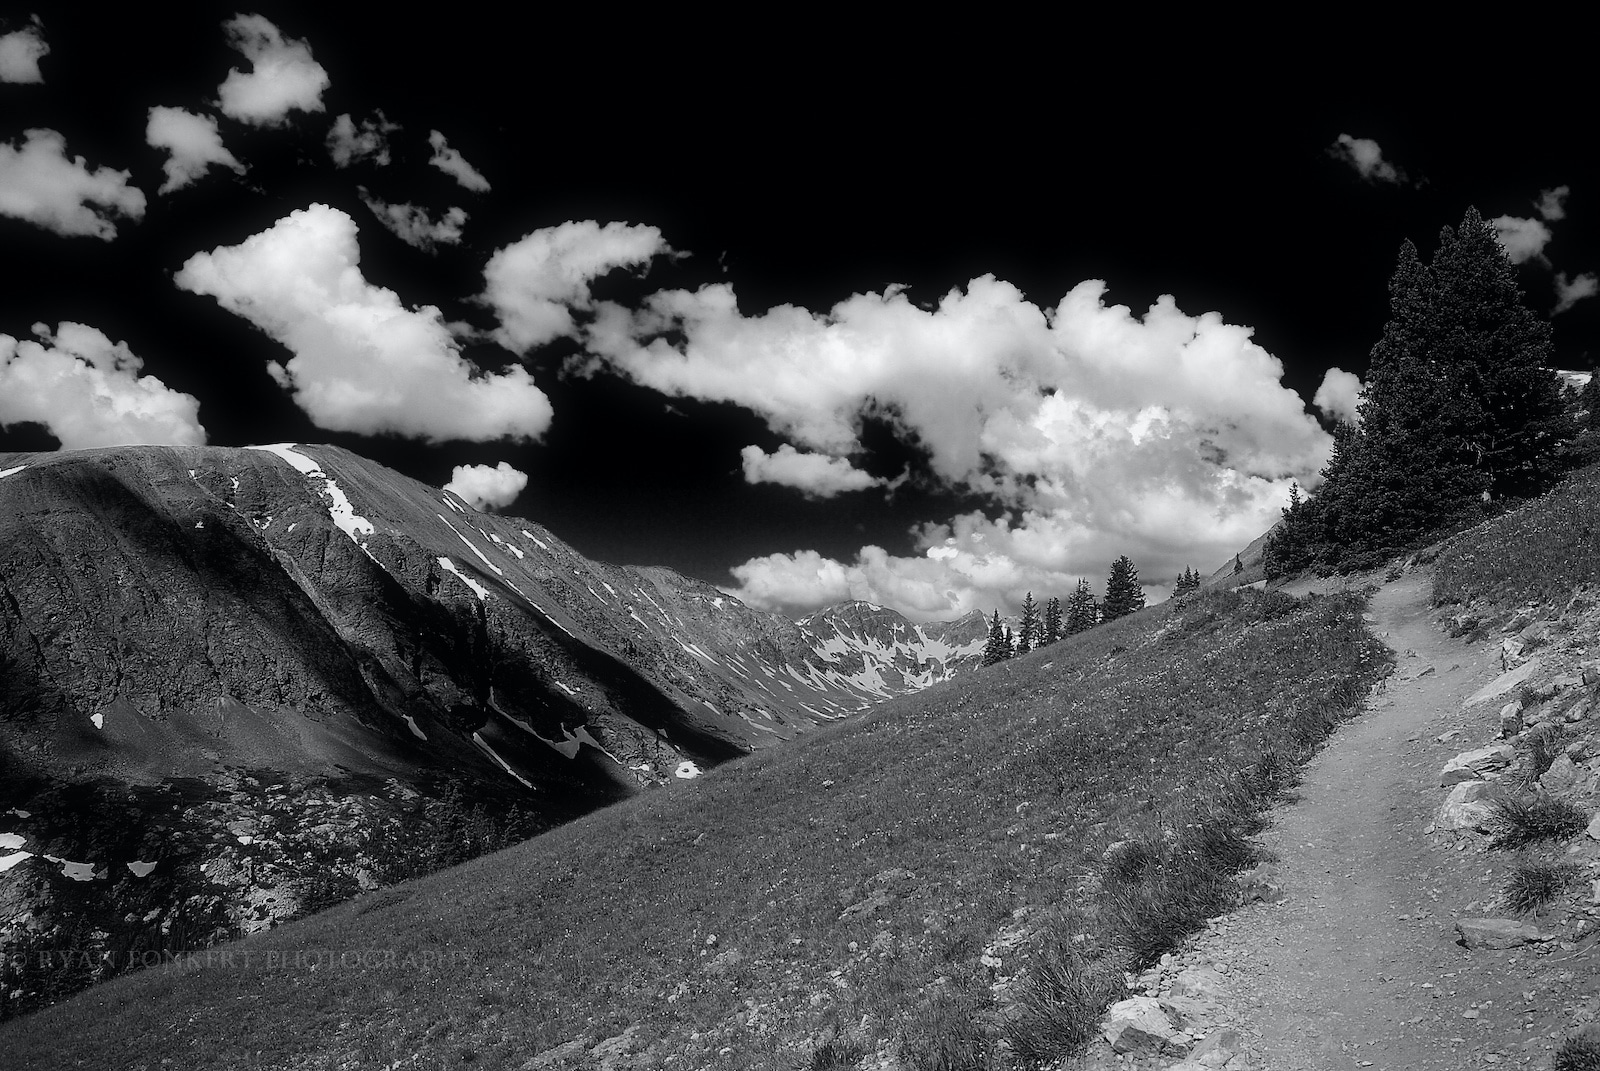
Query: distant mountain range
194, 642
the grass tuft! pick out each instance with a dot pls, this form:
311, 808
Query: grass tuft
1535, 883
1517, 821
1060, 1002
1578, 1053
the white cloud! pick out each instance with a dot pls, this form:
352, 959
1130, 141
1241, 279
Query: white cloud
88, 392
1166, 436
38, 183
362, 361
482, 487
534, 283
20, 53
1339, 396
1365, 155
1523, 239
452, 163
412, 224
818, 475
349, 144
282, 77
192, 142
1571, 291
1552, 204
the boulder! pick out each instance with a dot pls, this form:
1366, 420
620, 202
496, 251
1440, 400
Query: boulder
1476, 765
1563, 777
1594, 828
1465, 808
1461, 624
1143, 1026
1217, 1048
560, 1056
1504, 683
1510, 720
1200, 983
1496, 933
1259, 883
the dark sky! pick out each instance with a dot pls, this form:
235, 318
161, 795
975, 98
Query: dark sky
801, 163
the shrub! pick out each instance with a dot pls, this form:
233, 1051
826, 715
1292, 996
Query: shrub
837, 1053
1517, 821
1533, 883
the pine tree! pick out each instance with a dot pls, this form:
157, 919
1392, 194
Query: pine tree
995, 650
1238, 565
1052, 622
1589, 400
1187, 584
1028, 628
1083, 613
1010, 642
1123, 594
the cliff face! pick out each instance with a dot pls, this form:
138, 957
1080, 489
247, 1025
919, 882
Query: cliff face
203, 635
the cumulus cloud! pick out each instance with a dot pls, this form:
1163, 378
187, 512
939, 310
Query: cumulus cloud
20, 53
818, 475
452, 163
192, 143
350, 144
482, 487
87, 391
362, 361
40, 184
1523, 239
1365, 155
412, 224
1571, 291
1099, 432
282, 78
535, 283
1339, 396
1552, 204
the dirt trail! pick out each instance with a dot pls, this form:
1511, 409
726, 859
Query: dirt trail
1358, 966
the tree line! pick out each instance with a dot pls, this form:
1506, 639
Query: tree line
1461, 409
1081, 612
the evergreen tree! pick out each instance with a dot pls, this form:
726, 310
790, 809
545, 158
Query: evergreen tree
1123, 594
995, 650
1187, 584
1028, 628
1238, 565
1052, 622
1010, 642
1589, 401
1083, 613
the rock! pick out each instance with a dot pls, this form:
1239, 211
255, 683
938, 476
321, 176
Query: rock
1461, 624
612, 1053
1142, 1026
1466, 807
1217, 1048
1200, 983
1563, 776
1535, 634
1257, 884
560, 1056
1591, 673
1496, 933
723, 962
1566, 683
1504, 683
1594, 828
1477, 764
1510, 650
1579, 710
1510, 720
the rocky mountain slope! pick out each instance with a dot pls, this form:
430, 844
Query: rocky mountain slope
206, 652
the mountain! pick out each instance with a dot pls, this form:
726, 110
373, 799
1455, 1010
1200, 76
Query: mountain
206, 652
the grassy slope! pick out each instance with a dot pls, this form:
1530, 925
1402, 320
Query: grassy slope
1539, 552
998, 793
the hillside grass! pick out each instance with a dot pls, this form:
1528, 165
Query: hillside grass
1537, 553
930, 878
